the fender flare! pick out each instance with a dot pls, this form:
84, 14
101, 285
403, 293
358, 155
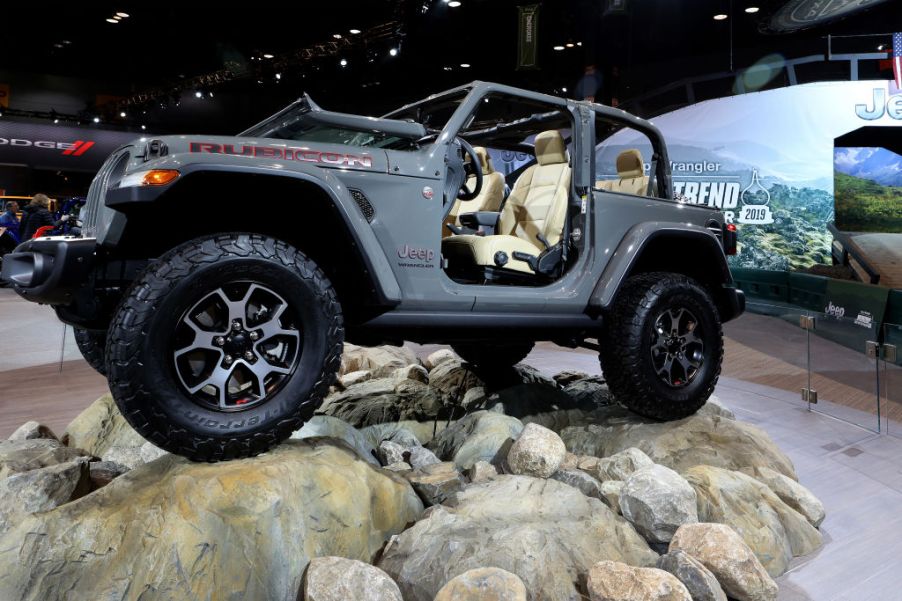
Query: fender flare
634, 244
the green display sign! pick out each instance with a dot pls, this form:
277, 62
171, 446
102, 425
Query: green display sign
853, 313
528, 48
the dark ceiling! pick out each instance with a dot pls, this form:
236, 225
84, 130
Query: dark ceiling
162, 46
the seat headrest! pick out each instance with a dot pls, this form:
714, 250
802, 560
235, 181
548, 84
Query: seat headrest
630, 164
550, 148
485, 161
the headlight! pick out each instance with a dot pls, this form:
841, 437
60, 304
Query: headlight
154, 177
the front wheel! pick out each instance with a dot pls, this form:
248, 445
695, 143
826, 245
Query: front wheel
662, 346
92, 344
224, 346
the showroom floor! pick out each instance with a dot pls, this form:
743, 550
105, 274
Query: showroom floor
855, 472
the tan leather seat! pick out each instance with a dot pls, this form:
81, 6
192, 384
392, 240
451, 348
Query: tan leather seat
631, 172
488, 199
536, 205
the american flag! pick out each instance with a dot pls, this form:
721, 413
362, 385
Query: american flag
897, 58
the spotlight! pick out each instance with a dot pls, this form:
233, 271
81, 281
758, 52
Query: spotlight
112, 21
56, 120
752, 10
122, 15
344, 62
337, 36
720, 17
465, 65
143, 127
267, 56
96, 119
570, 44
454, 3
564, 90
393, 52
354, 31
278, 76
558, 48
198, 94
122, 114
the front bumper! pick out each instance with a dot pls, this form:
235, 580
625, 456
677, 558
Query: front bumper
50, 270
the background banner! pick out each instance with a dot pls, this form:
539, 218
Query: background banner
767, 160
527, 50
58, 146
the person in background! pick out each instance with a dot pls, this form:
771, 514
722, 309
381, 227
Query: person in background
9, 220
589, 85
34, 216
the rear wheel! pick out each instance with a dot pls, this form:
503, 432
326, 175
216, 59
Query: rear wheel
92, 344
225, 346
493, 355
662, 346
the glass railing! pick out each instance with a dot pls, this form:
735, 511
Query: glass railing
891, 379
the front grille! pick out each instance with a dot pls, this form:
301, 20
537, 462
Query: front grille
363, 202
97, 192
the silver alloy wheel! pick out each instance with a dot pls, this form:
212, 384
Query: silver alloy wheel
677, 351
236, 346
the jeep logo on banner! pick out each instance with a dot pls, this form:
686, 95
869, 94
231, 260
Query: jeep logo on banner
58, 147
527, 50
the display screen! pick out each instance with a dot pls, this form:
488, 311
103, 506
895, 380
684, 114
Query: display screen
868, 189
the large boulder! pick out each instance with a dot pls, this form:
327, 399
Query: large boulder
698, 579
622, 465
615, 581
31, 430
546, 532
101, 427
18, 456
331, 427
174, 529
483, 584
382, 400
451, 380
724, 553
380, 360
440, 356
773, 530
657, 501
701, 439
132, 457
589, 393
436, 482
342, 579
583, 482
790, 492
537, 452
42, 489
477, 437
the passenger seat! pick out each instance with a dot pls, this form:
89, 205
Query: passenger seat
631, 171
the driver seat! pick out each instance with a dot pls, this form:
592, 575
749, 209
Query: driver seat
489, 198
537, 205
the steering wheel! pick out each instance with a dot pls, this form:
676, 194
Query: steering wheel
471, 168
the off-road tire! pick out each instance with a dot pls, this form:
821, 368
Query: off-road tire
141, 374
627, 338
92, 344
491, 356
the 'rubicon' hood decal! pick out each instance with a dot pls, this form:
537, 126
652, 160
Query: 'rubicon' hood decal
305, 155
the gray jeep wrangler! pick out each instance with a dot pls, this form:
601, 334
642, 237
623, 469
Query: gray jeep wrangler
221, 331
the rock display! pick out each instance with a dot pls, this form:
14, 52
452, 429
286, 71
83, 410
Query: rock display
724, 553
483, 584
247, 527
773, 530
547, 533
698, 580
614, 581
701, 439
790, 492
480, 436
120, 515
568, 377
657, 501
341, 579
537, 452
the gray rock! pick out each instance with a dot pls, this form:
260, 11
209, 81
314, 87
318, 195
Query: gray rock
31, 430
99, 428
715, 407
723, 552
621, 465
104, 472
436, 483
616, 581
570, 462
657, 501
390, 452
481, 472
355, 377
340, 579
331, 427
790, 492
398, 432
581, 481
483, 584
537, 452
17, 456
547, 533
773, 530
381, 360
416, 372
382, 400
167, 526
41, 489
611, 490
528, 374
697, 440
480, 436
133, 456
589, 393
402, 467
474, 399
438, 357
450, 380
699, 581
568, 377
420, 457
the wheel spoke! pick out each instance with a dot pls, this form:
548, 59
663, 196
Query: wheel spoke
690, 338
666, 368
219, 378
686, 364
